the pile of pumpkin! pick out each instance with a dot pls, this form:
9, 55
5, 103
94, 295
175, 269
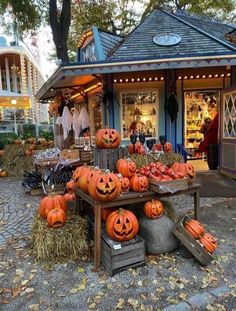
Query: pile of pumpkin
53, 207
197, 231
139, 148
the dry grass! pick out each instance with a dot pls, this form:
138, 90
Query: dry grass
166, 158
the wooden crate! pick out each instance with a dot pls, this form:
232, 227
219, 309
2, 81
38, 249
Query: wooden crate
195, 248
58, 189
120, 256
168, 186
85, 156
107, 158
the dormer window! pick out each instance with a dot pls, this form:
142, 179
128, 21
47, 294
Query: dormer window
231, 36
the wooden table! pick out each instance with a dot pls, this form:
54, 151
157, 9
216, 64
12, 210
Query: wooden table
123, 200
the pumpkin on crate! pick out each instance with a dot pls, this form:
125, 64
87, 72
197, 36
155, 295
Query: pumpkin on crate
209, 242
86, 177
126, 167
122, 225
104, 186
56, 217
186, 169
194, 228
153, 209
124, 182
69, 196
50, 202
70, 185
136, 148
107, 138
139, 183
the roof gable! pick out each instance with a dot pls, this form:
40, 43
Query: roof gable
139, 44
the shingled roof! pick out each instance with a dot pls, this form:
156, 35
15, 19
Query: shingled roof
108, 41
197, 38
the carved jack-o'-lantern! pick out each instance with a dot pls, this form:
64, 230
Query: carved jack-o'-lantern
126, 167
209, 242
104, 186
56, 217
122, 225
79, 172
153, 209
124, 182
107, 138
139, 183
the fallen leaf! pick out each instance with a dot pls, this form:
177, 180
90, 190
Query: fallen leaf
92, 306
133, 302
16, 292
140, 283
29, 290
5, 301
2, 274
80, 269
19, 272
34, 307
24, 282
120, 304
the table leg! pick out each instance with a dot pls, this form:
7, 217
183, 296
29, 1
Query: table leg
97, 236
196, 204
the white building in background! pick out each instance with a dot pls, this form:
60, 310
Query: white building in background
20, 80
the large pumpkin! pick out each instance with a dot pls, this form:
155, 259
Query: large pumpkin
122, 225
139, 183
126, 167
194, 228
50, 202
209, 242
56, 217
104, 186
124, 182
153, 209
107, 138
77, 173
82, 181
186, 169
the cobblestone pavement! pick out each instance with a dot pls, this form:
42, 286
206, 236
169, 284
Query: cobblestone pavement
17, 208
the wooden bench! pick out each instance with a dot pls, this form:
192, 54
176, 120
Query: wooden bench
123, 200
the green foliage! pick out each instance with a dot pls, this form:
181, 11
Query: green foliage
6, 138
48, 135
29, 130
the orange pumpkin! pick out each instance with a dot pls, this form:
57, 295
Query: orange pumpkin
105, 212
122, 225
157, 147
153, 209
28, 152
124, 182
194, 228
77, 173
186, 169
31, 140
2, 153
137, 148
126, 167
69, 196
3, 173
86, 177
139, 183
50, 202
18, 142
70, 185
107, 138
32, 147
104, 187
209, 242
167, 147
56, 217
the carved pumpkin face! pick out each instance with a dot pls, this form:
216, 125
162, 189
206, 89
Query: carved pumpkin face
126, 167
104, 187
139, 183
122, 225
107, 138
209, 242
124, 182
56, 217
194, 228
153, 209
78, 172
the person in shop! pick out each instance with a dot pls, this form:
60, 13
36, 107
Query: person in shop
211, 135
137, 125
205, 126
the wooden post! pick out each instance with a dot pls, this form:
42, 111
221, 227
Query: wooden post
97, 236
196, 203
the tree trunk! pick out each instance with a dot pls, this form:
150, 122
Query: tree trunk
60, 24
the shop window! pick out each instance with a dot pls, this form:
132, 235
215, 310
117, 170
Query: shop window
199, 106
139, 113
230, 116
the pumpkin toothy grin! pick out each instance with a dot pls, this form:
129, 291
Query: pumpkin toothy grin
106, 192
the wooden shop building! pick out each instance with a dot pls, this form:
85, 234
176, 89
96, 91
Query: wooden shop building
173, 71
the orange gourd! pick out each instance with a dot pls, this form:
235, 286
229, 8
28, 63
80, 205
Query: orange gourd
122, 225
56, 217
69, 196
124, 182
77, 173
107, 138
209, 242
153, 209
186, 169
70, 185
126, 167
194, 228
50, 202
139, 183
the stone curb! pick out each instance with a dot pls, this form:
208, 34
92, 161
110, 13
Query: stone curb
200, 300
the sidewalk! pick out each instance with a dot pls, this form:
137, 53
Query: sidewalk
175, 281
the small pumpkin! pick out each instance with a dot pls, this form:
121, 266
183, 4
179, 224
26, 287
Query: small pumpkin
209, 242
32, 147
139, 183
3, 173
126, 167
122, 225
107, 138
69, 196
167, 147
124, 182
105, 212
31, 140
194, 228
28, 152
18, 142
137, 148
157, 147
56, 217
186, 169
104, 186
50, 202
153, 209
70, 185
2, 153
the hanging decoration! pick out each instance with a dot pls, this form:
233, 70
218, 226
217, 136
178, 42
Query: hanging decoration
171, 105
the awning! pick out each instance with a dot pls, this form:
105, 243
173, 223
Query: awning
14, 100
83, 75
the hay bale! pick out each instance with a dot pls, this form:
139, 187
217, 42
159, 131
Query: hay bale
59, 244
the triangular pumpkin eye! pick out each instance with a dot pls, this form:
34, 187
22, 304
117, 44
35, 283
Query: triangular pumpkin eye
110, 180
101, 180
106, 132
